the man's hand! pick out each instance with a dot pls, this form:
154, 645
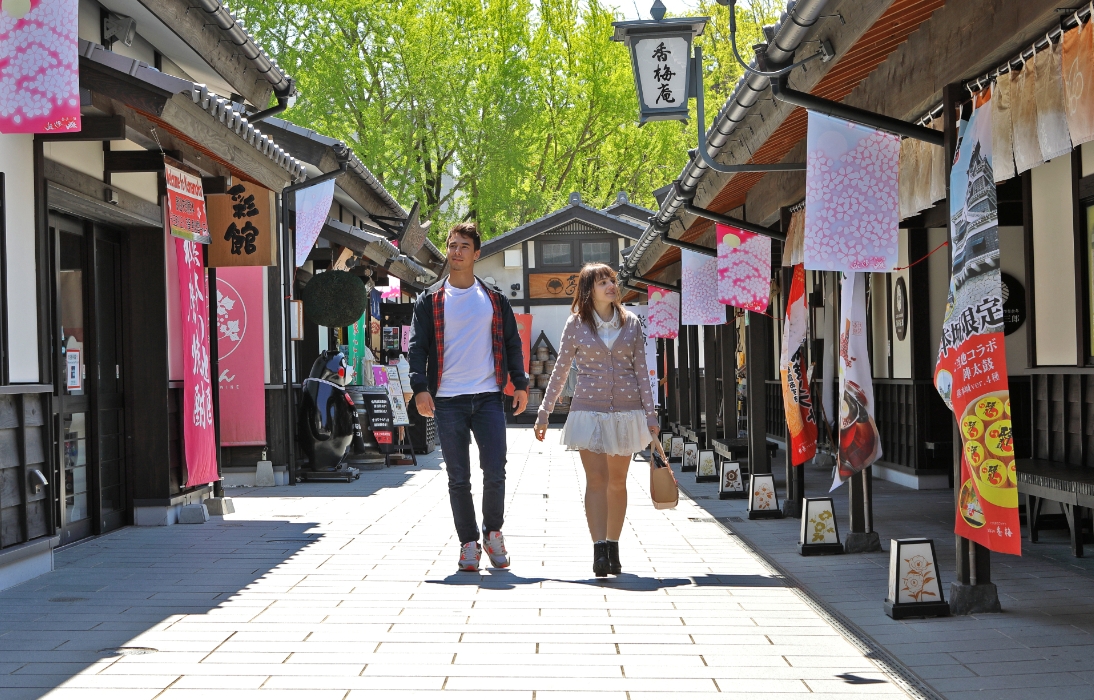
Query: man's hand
520, 401
424, 402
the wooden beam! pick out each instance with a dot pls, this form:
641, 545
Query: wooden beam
124, 88
193, 27
92, 128
136, 161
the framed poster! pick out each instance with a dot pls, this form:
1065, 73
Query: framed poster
666, 442
395, 396
708, 467
676, 452
690, 460
74, 379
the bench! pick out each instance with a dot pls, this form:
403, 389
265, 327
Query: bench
1070, 485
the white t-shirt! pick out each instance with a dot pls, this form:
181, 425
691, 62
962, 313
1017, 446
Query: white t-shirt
468, 345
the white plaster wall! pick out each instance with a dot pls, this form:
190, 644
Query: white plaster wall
90, 26
82, 156
1054, 264
494, 266
938, 273
902, 349
141, 49
17, 162
1012, 252
551, 320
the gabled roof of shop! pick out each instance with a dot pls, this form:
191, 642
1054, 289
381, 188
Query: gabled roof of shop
625, 208
576, 210
203, 36
129, 80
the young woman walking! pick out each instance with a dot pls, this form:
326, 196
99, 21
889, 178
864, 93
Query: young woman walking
612, 415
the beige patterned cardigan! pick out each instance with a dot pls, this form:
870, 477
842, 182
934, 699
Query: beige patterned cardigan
609, 380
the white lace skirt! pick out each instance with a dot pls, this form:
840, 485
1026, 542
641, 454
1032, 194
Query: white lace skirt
621, 433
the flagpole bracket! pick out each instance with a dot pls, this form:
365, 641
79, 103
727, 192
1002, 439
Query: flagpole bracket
717, 218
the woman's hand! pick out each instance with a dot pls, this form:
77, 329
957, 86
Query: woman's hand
655, 431
541, 431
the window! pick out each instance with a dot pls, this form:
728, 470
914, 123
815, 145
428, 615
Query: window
596, 252
512, 257
558, 254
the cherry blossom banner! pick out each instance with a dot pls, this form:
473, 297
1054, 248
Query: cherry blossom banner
852, 199
198, 432
971, 372
663, 316
312, 209
699, 304
744, 269
39, 66
241, 350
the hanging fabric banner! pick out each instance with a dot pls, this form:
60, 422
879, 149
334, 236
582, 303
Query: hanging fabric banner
1002, 133
859, 441
641, 311
1052, 132
664, 313
794, 248
39, 67
1027, 148
971, 373
1078, 70
852, 197
312, 209
185, 205
699, 286
240, 331
524, 330
798, 405
198, 431
356, 350
744, 269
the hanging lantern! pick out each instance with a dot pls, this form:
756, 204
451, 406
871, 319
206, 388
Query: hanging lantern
819, 533
661, 60
730, 483
763, 501
915, 589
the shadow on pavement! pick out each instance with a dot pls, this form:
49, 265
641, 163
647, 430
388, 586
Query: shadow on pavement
500, 579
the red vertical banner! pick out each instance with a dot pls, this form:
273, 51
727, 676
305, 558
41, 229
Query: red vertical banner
971, 373
524, 328
797, 403
240, 331
199, 437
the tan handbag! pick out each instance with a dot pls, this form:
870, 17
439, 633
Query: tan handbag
663, 488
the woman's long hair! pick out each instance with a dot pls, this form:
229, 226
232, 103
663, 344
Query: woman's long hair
583, 297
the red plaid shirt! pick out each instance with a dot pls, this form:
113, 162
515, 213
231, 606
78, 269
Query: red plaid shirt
497, 333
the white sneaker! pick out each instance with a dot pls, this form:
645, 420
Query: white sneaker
495, 548
470, 552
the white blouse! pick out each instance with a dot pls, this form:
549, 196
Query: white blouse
608, 330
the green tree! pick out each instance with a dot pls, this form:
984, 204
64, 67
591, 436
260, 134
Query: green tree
492, 110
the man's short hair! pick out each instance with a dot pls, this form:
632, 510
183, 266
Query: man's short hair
467, 229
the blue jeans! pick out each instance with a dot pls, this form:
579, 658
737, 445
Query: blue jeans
457, 418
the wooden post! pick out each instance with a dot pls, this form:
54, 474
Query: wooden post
710, 396
695, 408
757, 358
684, 379
661, 393
672, 401
727, 340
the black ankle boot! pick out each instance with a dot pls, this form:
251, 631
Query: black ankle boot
614, 567
601, 565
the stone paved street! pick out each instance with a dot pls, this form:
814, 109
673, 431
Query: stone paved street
350, 591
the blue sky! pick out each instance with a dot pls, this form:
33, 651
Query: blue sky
640, 9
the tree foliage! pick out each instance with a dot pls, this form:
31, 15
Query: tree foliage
492, 110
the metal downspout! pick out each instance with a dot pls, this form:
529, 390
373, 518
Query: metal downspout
790, 32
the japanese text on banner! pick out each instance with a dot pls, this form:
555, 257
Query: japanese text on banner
198, 430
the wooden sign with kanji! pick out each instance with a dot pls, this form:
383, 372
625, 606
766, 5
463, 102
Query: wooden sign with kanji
243, 227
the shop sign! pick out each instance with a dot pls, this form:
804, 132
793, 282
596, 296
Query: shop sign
900, 309
240, 346
243, 227
524, 330
74, 380
395, 396
552, 285
1014, 304
971, 373
185, 205
39, 67
198, 432
357, 348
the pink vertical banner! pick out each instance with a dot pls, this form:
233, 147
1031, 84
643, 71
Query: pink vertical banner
312, 209
405, 341
699, 304
241, 353
39, 67
198, 432
663, 316
744, 268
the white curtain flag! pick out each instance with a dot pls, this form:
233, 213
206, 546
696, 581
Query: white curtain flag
859, 441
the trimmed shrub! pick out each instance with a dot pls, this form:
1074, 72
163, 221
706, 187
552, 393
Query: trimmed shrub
334, 299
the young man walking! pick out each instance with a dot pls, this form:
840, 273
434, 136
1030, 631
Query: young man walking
463, 346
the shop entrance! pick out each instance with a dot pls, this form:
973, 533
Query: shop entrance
90, 407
